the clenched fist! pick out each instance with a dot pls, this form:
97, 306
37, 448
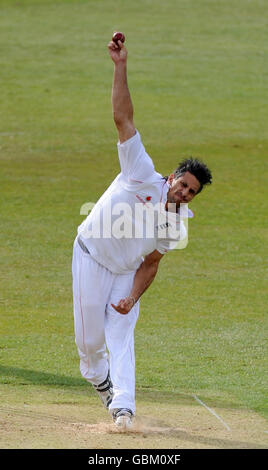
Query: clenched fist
117, 51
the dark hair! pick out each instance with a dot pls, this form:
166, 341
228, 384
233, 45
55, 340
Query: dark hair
197, 168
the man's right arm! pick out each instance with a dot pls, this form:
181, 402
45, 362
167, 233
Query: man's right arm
121, 100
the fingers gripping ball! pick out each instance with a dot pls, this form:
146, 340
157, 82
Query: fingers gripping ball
117, 36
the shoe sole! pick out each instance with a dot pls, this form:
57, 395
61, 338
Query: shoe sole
123, 422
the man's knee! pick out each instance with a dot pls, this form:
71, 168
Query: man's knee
90, 346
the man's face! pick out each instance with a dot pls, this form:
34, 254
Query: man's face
182, 189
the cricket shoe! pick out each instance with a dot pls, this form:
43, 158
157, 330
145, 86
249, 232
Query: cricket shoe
123, 418
105, 391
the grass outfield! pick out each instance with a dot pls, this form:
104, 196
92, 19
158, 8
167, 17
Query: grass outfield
198, 79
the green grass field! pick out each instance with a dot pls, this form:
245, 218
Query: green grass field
198, 77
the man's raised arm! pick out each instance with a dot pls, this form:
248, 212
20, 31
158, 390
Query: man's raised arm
121, 100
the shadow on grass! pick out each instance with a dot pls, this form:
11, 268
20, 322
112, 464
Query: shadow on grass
25, 376
19, 376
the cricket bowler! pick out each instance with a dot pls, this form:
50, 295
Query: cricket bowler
115, 260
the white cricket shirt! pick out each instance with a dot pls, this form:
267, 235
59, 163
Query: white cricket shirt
129, 220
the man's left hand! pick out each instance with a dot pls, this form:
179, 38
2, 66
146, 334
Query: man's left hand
124, 305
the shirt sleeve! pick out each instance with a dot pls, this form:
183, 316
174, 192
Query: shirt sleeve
136, 165
165, 245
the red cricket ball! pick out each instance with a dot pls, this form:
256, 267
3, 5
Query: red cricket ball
118, 37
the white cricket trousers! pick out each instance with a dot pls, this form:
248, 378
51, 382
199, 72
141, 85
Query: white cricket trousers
98, 327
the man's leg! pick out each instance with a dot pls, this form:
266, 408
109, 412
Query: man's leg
119, 333
92, 284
